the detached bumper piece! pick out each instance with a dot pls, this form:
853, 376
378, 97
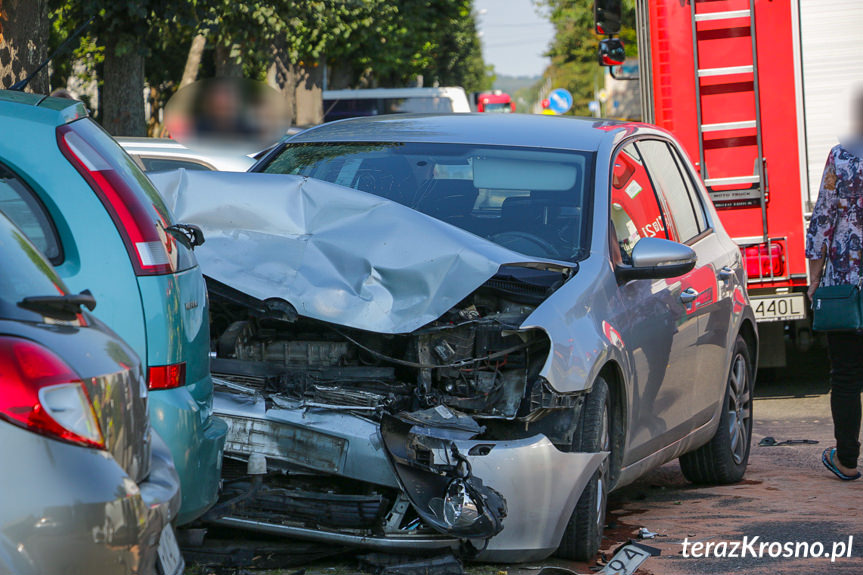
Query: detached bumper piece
437, 479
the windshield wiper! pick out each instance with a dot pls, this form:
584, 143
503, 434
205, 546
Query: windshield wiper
63, 307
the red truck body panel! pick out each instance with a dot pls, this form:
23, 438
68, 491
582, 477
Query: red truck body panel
730, 97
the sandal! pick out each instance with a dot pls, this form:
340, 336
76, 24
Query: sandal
827, 460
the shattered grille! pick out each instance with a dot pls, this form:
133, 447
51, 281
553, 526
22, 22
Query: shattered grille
347, 397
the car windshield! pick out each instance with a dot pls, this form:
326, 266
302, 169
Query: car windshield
503, 108
25, 273
528, 200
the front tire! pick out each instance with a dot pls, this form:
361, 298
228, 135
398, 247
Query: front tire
724, 459
583, 535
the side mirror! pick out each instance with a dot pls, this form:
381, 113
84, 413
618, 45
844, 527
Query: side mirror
607, 15
611, 52
655, 258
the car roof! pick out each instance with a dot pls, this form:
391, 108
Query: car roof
391, 92
45, 108
527, 130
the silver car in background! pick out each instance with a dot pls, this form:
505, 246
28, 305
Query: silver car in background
162, 154
462, 331
85, 485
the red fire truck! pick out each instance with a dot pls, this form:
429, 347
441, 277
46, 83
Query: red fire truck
757, 91
495, 101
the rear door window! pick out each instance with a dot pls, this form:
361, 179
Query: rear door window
666, 176
20, 204
153, 164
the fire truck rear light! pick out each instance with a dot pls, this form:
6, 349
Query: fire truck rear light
763, 261
166, 376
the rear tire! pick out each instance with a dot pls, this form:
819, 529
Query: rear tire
724, 459
583, 535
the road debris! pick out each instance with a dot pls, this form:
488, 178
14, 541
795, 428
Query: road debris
770, 441
626, 561
386, 564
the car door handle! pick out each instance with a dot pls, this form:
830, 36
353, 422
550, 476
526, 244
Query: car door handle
688, 295
725, 273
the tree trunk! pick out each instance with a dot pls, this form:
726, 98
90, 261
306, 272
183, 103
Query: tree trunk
24, 30
309, 96
341, 77
123, 91
280, 75
226, 62
193, 60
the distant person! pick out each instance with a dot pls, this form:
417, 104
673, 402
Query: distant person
834, 246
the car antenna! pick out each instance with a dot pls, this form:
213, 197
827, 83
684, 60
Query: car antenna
21, 84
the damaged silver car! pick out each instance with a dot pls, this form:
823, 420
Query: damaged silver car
438, 332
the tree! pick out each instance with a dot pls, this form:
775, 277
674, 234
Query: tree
126, 30
436, 40
24, 33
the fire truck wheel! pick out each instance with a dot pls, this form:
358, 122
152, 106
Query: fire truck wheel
723, 460
583, 534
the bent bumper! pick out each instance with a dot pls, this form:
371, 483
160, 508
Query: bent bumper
196, 440
539, 483
72, 508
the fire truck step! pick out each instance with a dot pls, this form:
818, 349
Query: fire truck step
710, 182
705, 72
722, 15
728, 126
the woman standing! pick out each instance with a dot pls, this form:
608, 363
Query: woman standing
834, 246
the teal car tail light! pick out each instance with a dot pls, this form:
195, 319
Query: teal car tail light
166, 376
42, 394
151, 249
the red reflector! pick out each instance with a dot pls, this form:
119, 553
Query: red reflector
43, 395
151, 249
166, 376
764, 262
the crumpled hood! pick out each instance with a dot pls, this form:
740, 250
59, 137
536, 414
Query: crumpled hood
336, 254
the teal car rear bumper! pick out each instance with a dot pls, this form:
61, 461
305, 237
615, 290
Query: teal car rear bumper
197, 443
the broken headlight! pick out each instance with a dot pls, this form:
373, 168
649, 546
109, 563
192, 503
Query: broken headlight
459, 508
437, 477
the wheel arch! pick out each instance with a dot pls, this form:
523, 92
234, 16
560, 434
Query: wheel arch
749, 333
612, 373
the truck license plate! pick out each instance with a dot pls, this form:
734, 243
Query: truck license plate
170, 559
779, 307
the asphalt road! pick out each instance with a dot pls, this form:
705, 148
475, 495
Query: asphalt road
787, 497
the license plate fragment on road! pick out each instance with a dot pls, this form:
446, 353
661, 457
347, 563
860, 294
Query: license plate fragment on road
626, 561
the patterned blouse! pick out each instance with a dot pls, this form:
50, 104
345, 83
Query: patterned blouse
836, 227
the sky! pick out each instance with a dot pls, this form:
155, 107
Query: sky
513, 36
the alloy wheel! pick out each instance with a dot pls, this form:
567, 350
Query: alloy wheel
739, 408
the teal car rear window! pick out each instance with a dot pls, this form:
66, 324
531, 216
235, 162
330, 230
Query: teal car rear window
25, 274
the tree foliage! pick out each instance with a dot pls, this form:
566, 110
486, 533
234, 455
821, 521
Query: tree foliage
362, 42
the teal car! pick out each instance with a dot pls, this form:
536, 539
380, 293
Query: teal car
96, 217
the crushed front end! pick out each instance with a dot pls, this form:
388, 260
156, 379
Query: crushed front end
444, 437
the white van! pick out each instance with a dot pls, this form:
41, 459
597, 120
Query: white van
340, 104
